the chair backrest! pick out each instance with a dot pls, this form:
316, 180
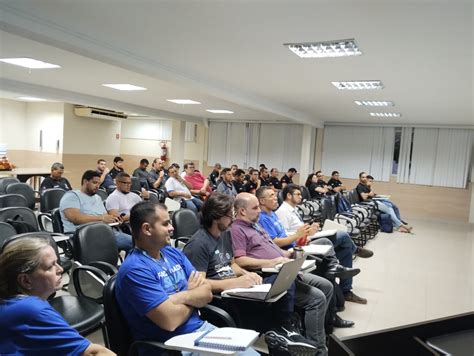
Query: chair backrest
42, 234
305, 194
26, 214
50, 199
280, 197
185, 223
136, 185
95, 242
5, 181
102, 194
354, 197
6, 230
118, 332
23, 189
7, 200
56, 221
326, 211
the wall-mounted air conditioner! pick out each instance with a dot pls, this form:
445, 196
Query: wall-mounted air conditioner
97, 113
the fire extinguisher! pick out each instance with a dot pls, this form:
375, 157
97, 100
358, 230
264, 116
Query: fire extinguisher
164, 151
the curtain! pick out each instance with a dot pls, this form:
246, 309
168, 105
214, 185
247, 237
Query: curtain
423, 157
403, 175
453, 157
352, 149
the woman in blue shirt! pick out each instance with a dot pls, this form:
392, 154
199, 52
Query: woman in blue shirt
29, 274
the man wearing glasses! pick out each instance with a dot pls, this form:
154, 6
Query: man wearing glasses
121, 201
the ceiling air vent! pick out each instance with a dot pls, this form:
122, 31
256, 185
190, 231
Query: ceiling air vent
97, 113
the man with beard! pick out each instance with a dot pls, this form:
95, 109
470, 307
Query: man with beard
158, 174
79, 207
210, 252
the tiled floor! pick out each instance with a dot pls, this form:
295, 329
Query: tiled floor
412, 278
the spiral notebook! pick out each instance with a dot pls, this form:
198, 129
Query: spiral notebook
222, 340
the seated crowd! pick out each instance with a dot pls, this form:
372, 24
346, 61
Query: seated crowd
159, 288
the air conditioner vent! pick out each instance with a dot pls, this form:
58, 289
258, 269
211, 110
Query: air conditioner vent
97, 113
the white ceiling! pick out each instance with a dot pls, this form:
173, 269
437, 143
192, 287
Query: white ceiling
230, 55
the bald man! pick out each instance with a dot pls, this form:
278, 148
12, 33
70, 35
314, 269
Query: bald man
254, 249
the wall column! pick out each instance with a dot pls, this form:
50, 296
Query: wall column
307, 152
177, 142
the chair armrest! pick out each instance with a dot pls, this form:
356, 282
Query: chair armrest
217, 316
40, 217
97, 273
105, 267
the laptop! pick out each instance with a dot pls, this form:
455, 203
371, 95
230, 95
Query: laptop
286, 276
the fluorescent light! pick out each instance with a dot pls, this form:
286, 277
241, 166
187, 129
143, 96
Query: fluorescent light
29, 63
337, 48
128, 87
183, 101
385, 114
373, 103
359, 85
30, 98
218, 111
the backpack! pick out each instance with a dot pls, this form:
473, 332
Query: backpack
385, 222
20, 225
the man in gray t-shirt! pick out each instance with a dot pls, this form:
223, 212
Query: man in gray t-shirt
79, 207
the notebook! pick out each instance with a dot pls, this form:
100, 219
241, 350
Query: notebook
283, 281
315, 249
307, 266
221, 341
332, 225
324, 233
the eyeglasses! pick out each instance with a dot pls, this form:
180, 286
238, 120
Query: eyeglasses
231, 215
297, 193
319, 175
125, 183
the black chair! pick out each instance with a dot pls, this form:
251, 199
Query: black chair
8, 200
102, 194
185, 224
5, 181
26, 215
118, 333
136, 185
81, 313
50, 199
25, 190
6, 230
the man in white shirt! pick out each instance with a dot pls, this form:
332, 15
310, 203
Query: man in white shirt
343, 245
178, 189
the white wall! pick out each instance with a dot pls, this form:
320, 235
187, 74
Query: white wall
12, 124
48, 118
143, 137
84, 135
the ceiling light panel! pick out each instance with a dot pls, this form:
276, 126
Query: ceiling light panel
219, 111
359, 85
125, 87
327, 49
29, 63
30, 98
385, 114
184, 101
373, 103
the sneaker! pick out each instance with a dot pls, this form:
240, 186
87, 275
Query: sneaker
354, 298
363, 252
284, 342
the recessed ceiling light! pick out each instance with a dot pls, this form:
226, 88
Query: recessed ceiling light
183, 101
29, 63
30, 98
337, 48
218, 111
128, 87
359, 85
385, 114
373, 103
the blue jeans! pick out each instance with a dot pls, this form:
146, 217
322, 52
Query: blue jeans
194, 204
394, 207
345, 249
124, 241
208, 326
387, 209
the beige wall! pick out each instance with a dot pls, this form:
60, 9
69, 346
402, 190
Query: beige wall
197, 151
12, 124
47, 118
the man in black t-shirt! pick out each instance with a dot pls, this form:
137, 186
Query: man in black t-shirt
238, 181
335, 183
158, 174
253, 183
264, 177
274, 181
56, 180
117, 168
288, 177
214, 176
